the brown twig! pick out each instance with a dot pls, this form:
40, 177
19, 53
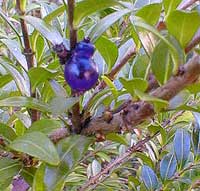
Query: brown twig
137, 112
100, 177
194, 42
28, 53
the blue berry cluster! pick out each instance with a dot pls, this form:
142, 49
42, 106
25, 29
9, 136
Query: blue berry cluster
81, 72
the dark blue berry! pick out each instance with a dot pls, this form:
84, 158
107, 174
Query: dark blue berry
81, 72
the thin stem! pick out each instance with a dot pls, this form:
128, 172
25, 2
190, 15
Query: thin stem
28, 53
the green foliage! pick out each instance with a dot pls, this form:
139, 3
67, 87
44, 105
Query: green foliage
170, 160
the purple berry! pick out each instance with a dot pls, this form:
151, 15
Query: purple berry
81, 72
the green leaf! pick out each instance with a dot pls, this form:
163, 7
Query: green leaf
48, 31
158, 103
38, 183
8, 169
22, 83
116, 138
7, 20
154, 129
144, 159
179, 24
37, 145
140, 65
37, 79
137, 22
87, 7
150, 13
170, 6
15, 49
70, 150
111, 85
28, 102
59, 105
105, 23
181, 146
134, 84
5, 79
168, 166
108, 50
7, 132
161, 62
194, 88
45, 126
149, 178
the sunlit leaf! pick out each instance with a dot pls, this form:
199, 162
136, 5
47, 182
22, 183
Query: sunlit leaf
38, 145
87, 7
179, 24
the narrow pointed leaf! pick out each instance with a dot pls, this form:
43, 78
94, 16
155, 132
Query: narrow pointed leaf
116, 138
8, 169
45, 29
87, 7
45, 126
149, 178
22, 84
14, 48
37, 145
108, 52
168, 166
70, 150
7, 132
28, 102
181, 146
105, 23
59, 105
150, 13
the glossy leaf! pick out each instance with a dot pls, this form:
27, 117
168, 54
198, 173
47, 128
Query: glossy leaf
140, 65
7, 132
87, 7
161, 59
96, 167
28, 102
105, 23
134, 84
149, 178
8, 169
179, 24
170, 6
22, 83
37, 145
15, 49
108, 50
116, 138
37, 79
59, 105
181, 146
168, 166
158, 103
5, 79
150, 13
45, 126
45, 29
137, 22
38, 183
70, 150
